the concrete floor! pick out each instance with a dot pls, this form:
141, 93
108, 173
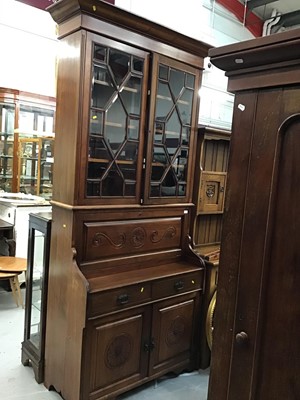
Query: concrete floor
17, 382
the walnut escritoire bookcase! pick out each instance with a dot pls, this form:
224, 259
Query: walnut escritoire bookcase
125, 286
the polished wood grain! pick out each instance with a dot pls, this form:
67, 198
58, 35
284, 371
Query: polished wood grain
121, 18
13, 264
210, 178
119, 263
257, 314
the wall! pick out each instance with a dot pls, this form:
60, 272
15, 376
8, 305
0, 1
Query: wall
28, 48
204, 20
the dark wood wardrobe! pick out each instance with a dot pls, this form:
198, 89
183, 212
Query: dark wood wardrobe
125, 286
256, 346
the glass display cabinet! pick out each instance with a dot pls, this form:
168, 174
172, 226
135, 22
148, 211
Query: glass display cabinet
36, 292
116, 117
7, 118
35, 163
24, 116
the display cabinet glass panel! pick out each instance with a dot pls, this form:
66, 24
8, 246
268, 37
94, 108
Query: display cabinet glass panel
173, 120
38, 119
7, 119
35, 166
36, 292
115, 122
23, 116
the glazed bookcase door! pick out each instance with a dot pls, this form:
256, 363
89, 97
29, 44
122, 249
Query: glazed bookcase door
46, 167
172, 129
114, 122
7, 121
28, 171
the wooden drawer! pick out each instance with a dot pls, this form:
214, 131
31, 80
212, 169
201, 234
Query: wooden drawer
177, 285
118, 299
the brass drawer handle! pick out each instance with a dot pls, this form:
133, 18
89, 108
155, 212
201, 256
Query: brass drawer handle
179, 285
123, 299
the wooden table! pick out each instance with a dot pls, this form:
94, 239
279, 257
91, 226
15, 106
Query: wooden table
13, 264
10, 268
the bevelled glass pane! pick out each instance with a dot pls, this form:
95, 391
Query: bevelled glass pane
173, 128
130, 190
98, 149
119, 63
103, 88
186, 133
185, 104
115, 125
99, 53
112, 185
157, 172
181, 190
155, 190
93, 188
131, 95
7, 118
159, 155
96, 123
158, 133
176, 82
163, 72
190, 81
179, 171
96, 169
133, 128
128, 171
181, 160
169, 184
129, 151
164, 102
172, 145
137, 64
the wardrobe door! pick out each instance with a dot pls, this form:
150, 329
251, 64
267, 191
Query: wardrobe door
257, 322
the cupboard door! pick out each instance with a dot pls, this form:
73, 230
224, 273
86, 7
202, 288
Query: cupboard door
256, 335
172, 129
173, 329
115, 357
115, 96
212, 189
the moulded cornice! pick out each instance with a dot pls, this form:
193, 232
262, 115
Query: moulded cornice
63, 10
258, 53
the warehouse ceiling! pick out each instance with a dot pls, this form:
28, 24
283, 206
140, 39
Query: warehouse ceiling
281, 14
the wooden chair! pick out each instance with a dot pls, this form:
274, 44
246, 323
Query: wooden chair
15, 286
13, 276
